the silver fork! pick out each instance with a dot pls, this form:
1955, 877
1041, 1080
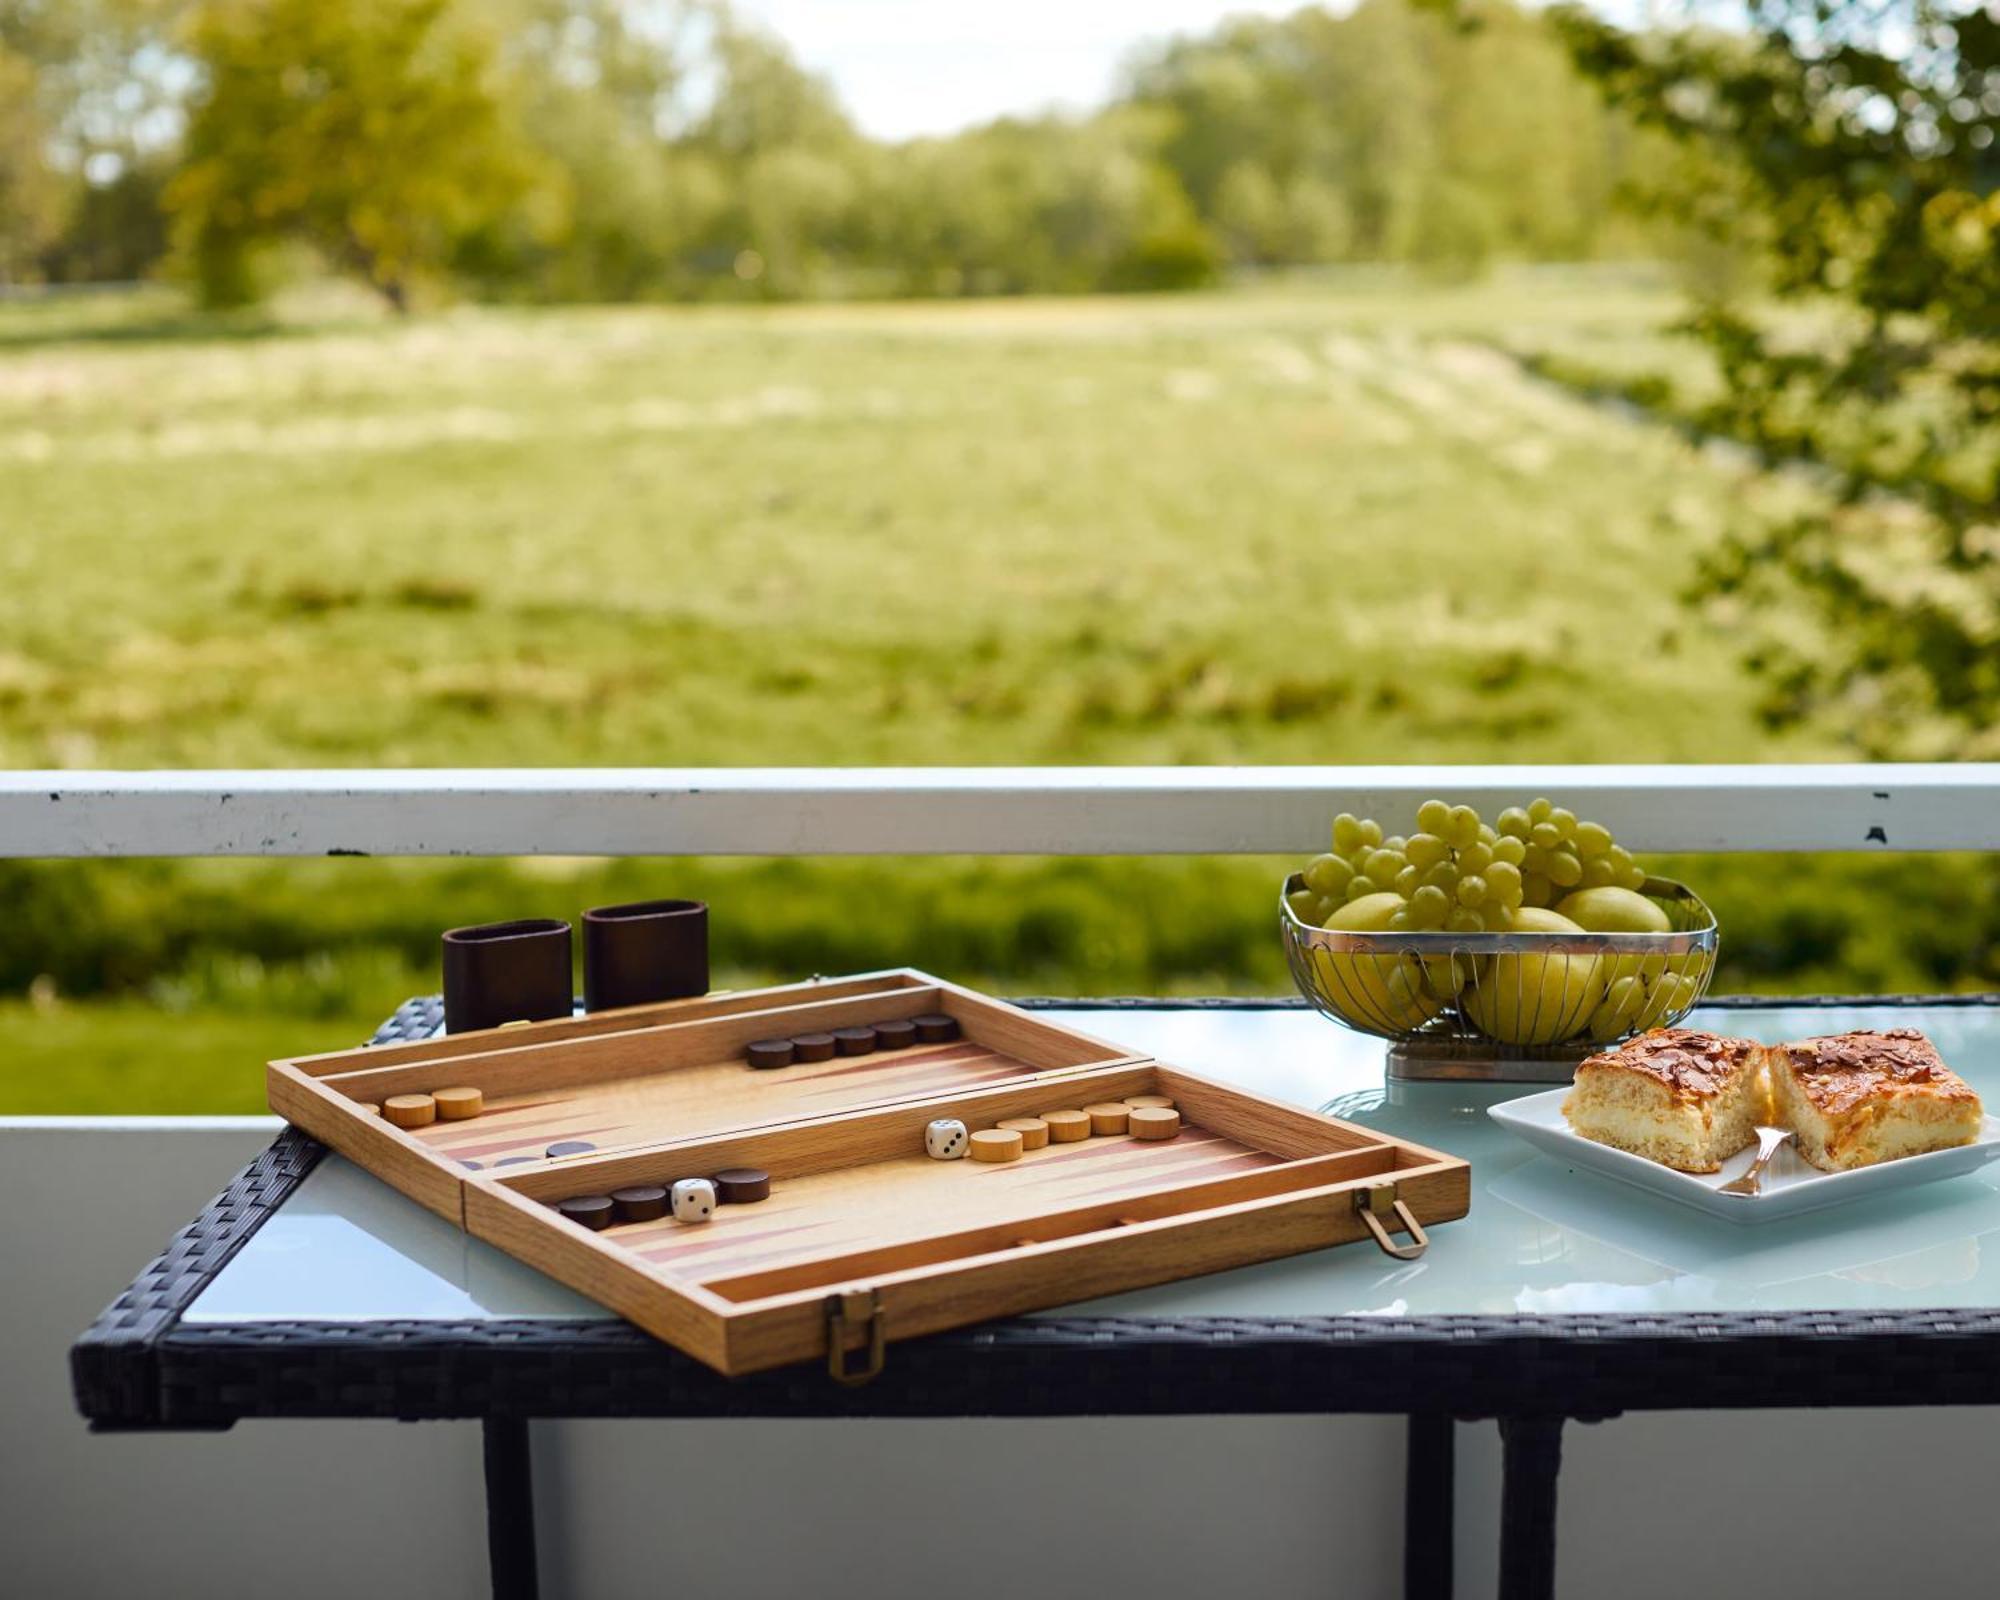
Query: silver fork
1769, 1142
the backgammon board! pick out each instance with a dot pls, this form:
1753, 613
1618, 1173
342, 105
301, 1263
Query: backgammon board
831, 1228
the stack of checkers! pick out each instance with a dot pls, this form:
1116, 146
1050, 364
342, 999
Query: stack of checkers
1142, 1116
457, 1104
934, 1027
649, 1202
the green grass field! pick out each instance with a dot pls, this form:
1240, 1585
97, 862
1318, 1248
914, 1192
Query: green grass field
1327, 522
1258, 528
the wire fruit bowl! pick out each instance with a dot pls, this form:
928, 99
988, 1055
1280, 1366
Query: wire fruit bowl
1505, 1006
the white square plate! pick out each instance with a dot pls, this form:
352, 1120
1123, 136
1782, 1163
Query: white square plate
1790, 1185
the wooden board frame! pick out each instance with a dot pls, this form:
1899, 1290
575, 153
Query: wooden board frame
322, 1093
1260, 1179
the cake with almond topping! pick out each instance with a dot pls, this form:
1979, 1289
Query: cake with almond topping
1686, 1099
1853, 1099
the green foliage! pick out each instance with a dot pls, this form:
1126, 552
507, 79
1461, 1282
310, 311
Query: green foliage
1862, 139
30, 196
370, 130
360, 936
1043, 205
1386, 134
598, 150
113, 232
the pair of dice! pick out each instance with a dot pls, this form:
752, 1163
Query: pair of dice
692, 1199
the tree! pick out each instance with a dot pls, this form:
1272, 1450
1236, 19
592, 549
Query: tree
1863, 137
764, 100
85, 85
597, 88
372, 130
31, 198
1385, 133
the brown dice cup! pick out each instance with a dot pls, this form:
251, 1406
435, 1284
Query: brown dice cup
651, 950
506, 972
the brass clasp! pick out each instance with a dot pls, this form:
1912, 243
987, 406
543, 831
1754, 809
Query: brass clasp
839, 1319
1379, 1200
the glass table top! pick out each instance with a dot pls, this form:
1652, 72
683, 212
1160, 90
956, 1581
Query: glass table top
1541, 1238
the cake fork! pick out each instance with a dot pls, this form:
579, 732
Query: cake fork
1769, 1142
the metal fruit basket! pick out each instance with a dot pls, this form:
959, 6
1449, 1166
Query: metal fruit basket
1505, 1006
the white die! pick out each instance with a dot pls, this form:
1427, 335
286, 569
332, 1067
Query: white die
694, 1200
946, 1139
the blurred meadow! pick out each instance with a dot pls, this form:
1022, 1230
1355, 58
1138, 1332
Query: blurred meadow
1399, 476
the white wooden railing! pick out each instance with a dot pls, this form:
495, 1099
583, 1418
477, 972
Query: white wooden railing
961, 810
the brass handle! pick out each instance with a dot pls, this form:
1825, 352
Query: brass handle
837, 1324
1379, 1200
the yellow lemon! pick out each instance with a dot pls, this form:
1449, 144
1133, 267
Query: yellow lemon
1535, 998
1381, 992
1613, 910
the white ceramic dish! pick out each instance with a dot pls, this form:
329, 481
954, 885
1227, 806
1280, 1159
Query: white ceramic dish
1790, 1184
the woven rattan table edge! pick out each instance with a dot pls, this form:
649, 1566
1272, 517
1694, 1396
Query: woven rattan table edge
140, 1366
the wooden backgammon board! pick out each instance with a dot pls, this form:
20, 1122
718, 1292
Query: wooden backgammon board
837, 1231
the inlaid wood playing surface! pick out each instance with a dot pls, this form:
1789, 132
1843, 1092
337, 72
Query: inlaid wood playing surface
886, 1203
711, 1097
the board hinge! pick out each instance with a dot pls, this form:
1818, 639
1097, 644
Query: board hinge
1378, 1200
856, 1310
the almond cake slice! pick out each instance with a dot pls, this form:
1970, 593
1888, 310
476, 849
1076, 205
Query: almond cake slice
1687, 1099
1853, 1099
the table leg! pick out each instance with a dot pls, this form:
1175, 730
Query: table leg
1531, 1456
510, 1509
1429, 1486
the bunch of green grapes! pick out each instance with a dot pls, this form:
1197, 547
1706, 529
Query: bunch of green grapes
1469, 875
1459, 874
1362, 862
1559, 853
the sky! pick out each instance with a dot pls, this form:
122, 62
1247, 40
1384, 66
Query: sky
904, 68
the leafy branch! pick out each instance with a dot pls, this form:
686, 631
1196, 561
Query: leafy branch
1864, 140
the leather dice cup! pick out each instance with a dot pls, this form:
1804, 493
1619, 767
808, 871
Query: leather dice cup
647, 951
506, 972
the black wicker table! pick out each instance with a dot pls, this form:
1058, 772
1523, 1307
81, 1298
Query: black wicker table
219, 1328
